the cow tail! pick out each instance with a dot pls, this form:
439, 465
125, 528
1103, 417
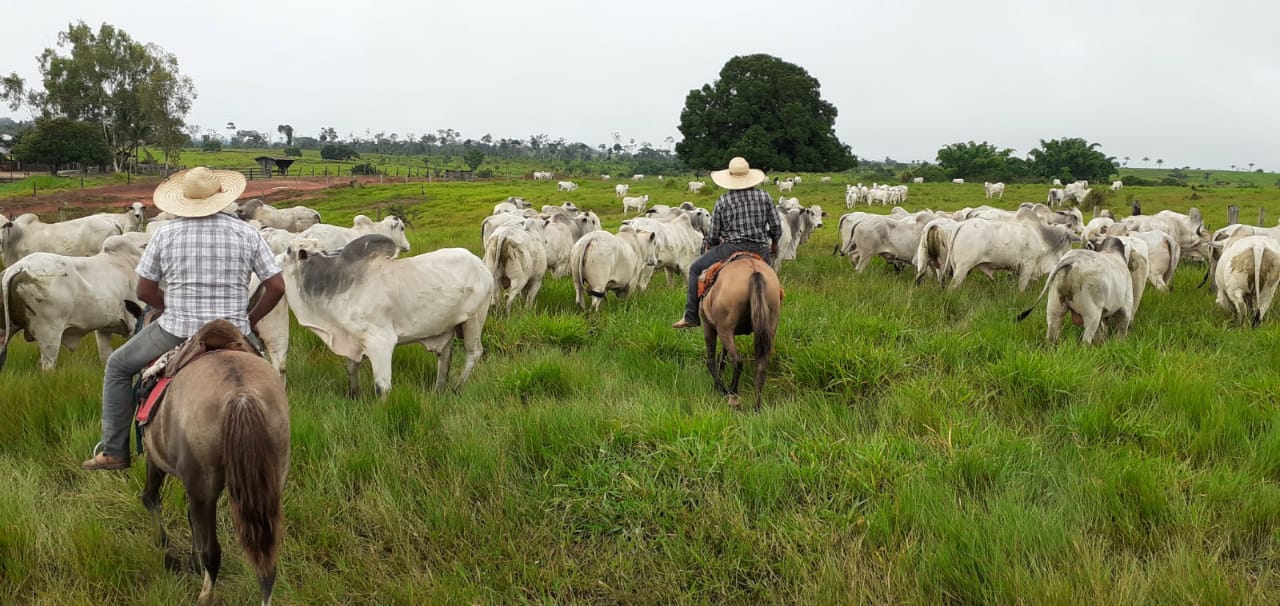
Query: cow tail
1258, 252
1175, 255
848, 247
762, 316
493, 251
948, 268
6, 279
838, 249
1063, 269
580, 282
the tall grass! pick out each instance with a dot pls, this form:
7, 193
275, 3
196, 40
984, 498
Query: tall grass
916, 446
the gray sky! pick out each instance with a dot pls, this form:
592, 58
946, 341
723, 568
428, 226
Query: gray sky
1194, 83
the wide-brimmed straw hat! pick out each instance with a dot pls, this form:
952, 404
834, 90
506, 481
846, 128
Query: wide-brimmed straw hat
739, 175
199, 192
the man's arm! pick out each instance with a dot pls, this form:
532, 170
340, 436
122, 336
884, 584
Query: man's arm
149, 292
272, 291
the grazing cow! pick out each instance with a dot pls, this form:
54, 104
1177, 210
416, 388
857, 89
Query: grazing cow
917, 179
1117, 185
604, 177
993, 190
332, 237
621, 189
696, 186
895, 240
676, 244
601, 262
824, 180
1072, 219
1056, 196
1092, 287
1188, 230
75, 238
932, 253
796, 179
958, 181
58, 299
559, 235
1057, 182
637, 177
1247, 276
363, 302
132, 219
294, 219
542, 175
1163, 253
637, 203
516, 256
566, 186
786, 186
1024, 245
1219, 239
512, 205
1096, 230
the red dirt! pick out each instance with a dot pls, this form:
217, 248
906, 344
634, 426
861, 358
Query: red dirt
120, 196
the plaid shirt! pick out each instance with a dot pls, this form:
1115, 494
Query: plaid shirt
205, 265
744, 215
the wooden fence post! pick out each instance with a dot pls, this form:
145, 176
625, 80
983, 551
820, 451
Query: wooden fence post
1233, 214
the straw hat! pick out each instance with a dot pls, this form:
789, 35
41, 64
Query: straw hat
199, 192
739, 175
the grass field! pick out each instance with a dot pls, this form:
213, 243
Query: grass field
916, 446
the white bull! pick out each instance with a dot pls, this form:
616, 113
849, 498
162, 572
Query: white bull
1025, 246
1092, 287
294, 219
603, 262
1247, 276
332, 237
81, 237
516, 257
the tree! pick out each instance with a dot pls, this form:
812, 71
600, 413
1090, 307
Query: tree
474, 158
134, 92
60, 141
338, 151
287, 131
976, 162
1071, 158
1126, 161
1160, 162
765, 110
1146, 158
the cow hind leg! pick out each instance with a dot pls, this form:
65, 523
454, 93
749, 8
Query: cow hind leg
471, 343
104, 345
1092, 320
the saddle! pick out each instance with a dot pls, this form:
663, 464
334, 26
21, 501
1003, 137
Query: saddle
218, 335
708, 277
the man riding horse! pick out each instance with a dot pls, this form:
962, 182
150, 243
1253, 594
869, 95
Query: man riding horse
204, 257
744, 220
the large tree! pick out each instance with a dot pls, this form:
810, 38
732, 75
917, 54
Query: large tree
1070, 159
979, 162
60, 141
287, 131
765, 110
132, 91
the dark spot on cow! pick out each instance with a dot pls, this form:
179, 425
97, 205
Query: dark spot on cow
326, 276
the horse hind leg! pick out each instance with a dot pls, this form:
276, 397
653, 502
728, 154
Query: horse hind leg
151, 500
735, 357
204, 541
713, 361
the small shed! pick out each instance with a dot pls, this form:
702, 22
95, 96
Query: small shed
280, 164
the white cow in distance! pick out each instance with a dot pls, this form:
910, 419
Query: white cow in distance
637, 177
993, 190
566, 186
636, 203
786, 186
621, 189
293, 219
958, 181
696, 186
1117, 185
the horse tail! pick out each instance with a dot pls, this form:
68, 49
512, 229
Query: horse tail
493, 253
6, 279
762, 316
253, 483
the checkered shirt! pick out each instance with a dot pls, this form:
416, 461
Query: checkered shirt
744, 215
205, 264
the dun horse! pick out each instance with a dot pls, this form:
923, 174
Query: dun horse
746, 299
224, 422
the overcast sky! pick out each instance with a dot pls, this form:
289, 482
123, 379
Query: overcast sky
1192, 82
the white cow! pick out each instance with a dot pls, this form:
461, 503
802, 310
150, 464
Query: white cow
797, 225
81, 237
604, 177
1092, 287
1247, 277
511, 205
1163, 253
933, 251
895, 240
1117, 185
1023, 245
1188, 230
601, 262
294, 219
559, 235
637, 177
621, 189
917, 180
542, 175
516, 257
676, 244
958, 181
786, 186
1057, 182
636, 203
566, 186
824, 180
132, 219
363, 302
332, 237
58, 299
993, 190
696, 186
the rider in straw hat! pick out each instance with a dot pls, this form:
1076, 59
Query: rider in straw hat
204, 257
744, 219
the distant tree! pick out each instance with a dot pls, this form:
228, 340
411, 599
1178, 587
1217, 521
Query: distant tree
473, 158
766, 110
61, 141
1146, 158
1126, 161
1160, 162
974, 161
293, 151
248, 138
487, 139
1251, 166
338, 151
1071, 158
211, 144
287, 131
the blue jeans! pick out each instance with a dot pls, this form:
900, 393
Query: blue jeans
716, 254
118, 404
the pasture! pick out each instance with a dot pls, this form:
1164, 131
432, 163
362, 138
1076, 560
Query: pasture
916, 446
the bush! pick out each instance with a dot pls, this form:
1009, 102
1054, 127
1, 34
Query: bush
211, 145
338, 151
484, 174
293, 151
1173, 182
364, 169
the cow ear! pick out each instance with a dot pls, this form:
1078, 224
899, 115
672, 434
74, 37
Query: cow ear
133, 308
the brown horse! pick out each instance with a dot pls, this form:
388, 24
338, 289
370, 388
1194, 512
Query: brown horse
746, 299
224, 422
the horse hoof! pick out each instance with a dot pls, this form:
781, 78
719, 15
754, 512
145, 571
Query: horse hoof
733, 403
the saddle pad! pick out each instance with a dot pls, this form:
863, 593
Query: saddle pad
708, 277
153, 398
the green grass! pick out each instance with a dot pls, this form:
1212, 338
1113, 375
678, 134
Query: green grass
916, 446
46, 184
1217, 178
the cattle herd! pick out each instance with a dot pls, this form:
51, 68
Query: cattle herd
64, 280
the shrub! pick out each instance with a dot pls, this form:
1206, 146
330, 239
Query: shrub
293, 151
211, 145
366, 168
338, 151
484, 173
